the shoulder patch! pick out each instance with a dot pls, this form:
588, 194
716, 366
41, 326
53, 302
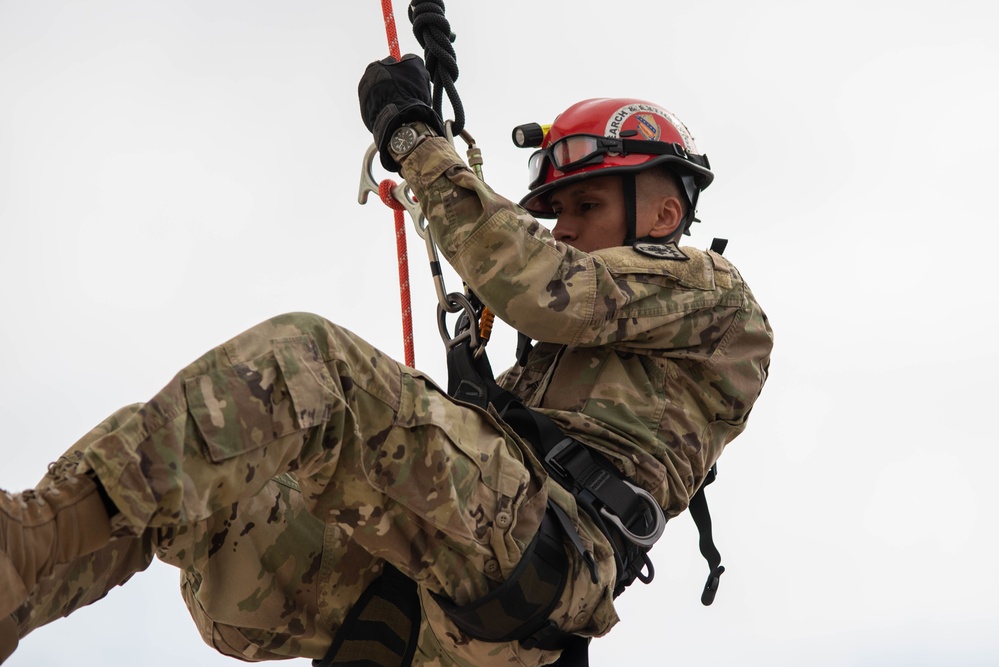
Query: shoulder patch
661, 251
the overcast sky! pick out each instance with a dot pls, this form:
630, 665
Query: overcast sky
172, 173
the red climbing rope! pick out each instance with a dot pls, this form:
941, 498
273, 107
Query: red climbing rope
390, 34
385, 192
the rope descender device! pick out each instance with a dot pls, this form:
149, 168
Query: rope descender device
400, 198
433, 32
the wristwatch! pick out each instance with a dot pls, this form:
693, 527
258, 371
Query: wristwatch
406, 138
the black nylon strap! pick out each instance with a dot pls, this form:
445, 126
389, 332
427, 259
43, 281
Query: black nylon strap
381, 628
630, 207
663, 148
524, 347
573, 465
596, 485
585, 474
464, 381
702, 519
518, 608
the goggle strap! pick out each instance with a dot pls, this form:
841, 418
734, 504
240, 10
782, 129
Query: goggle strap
662, 148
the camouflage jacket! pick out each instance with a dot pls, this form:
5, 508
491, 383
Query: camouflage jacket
654, 362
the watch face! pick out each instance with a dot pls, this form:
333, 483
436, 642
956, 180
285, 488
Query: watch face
403, 140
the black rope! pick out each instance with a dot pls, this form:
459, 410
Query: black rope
433, 32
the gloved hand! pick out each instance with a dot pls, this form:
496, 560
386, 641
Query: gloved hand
393, 92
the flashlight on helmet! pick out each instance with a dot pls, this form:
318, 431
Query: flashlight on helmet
530, 135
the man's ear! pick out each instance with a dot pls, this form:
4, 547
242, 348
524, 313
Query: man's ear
669, 213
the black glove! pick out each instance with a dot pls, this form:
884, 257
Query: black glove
393, 92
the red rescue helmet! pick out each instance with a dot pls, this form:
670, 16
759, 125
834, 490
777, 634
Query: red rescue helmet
602, 137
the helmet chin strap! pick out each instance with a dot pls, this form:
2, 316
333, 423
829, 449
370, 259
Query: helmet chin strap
630, 183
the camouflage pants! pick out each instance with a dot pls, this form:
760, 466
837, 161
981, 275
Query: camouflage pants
281, 469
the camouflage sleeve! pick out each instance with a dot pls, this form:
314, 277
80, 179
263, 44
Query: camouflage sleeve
545, 288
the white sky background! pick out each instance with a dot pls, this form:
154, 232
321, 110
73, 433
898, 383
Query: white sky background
172, 173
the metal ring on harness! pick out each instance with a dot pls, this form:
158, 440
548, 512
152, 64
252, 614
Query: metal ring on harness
644, 541
454, 303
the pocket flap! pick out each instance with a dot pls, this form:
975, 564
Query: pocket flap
245, 406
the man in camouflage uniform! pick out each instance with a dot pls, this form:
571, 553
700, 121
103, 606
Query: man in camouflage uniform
282, 469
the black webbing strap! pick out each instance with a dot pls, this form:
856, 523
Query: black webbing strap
382, 627
470, 378
577, 468
702, 519
598, 486
518, 608
462, 373
524, 347
629, 183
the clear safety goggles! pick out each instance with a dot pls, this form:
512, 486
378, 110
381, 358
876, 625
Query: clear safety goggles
582, 150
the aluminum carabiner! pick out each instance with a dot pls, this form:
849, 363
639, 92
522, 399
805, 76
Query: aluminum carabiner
447, 303
455, 303
474, 153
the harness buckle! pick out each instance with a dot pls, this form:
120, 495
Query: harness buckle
551, 458
595, 478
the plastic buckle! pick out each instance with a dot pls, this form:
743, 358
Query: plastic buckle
551, 457
547, 637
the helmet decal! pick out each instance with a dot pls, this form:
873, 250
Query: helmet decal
643, 118
648, 126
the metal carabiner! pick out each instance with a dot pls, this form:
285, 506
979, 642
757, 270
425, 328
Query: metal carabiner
447, 303
401, 192
455, 302
474, 153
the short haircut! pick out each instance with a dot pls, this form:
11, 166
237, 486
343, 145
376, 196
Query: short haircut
660, 179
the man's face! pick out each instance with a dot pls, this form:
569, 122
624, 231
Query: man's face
590, 214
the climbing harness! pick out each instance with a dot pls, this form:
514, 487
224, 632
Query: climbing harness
387, 615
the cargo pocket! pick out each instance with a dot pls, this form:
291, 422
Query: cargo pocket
245, 406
